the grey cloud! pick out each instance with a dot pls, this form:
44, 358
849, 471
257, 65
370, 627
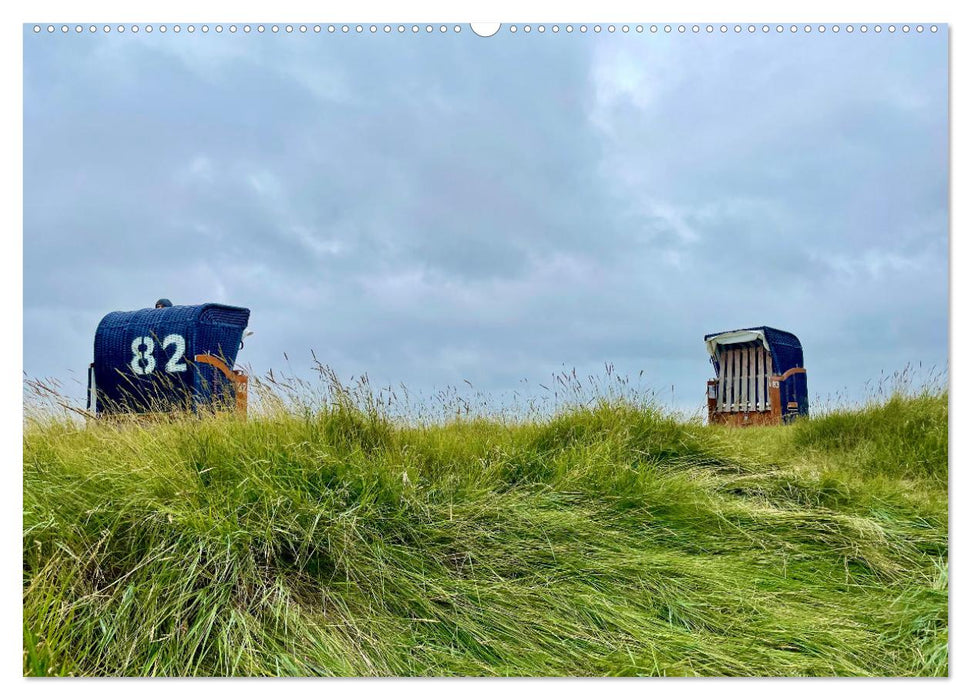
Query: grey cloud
431, 209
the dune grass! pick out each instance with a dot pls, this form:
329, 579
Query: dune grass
608, 539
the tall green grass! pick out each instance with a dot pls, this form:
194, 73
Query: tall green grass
608, 538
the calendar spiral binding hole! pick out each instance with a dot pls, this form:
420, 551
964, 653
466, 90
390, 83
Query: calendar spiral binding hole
415, 29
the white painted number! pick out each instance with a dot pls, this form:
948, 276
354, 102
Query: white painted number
139, 356
175, 363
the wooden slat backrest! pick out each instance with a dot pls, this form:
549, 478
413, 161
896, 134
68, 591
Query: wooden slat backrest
730, 389
760, 378
750, 402
737, 405
766, 361
744, 377
768, 380
721, 381
736, 379
723, 389
743, 358
729, 378
739, 379
756, 394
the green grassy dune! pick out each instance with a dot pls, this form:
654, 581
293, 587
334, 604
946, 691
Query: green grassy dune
607, 540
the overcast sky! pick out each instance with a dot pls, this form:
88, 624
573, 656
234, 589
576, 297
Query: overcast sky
439, 208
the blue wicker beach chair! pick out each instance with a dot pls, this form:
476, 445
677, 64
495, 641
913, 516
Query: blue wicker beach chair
175, 358
761, 378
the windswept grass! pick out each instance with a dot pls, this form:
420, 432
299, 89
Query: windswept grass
607, 539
